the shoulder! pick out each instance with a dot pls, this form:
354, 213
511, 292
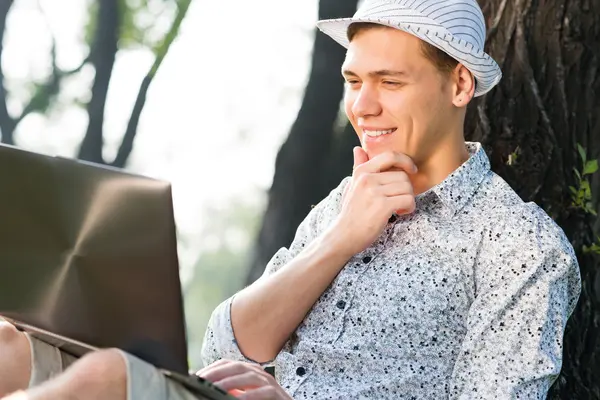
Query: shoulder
503, 211
521, 239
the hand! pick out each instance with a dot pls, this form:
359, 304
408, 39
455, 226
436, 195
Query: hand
379, 187
243, 380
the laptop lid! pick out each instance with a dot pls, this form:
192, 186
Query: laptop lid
89, 253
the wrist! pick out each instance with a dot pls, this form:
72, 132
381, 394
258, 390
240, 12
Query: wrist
335, 242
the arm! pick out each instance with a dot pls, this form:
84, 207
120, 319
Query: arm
256, 323
513, 345
220, 342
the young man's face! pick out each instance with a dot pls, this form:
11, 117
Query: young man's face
392, 87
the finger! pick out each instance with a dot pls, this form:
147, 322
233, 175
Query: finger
387, 177
211, 366
226, 370
360, 156
232, 368
397, 189
263, 393
403, 204
387, 161
247, 380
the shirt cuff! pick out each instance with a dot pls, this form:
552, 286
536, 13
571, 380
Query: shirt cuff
219, 340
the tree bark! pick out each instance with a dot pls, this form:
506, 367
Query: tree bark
543, 107
300, 163
102, 56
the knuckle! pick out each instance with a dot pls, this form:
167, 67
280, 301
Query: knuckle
407, 187
265, 381
403, 176
363, 181
390, 156
358, 170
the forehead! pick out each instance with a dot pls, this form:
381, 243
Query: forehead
384, 47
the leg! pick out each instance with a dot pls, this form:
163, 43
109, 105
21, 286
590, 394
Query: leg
15, 359
101, 375
108, 375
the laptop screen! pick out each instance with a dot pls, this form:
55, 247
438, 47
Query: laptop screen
89, 253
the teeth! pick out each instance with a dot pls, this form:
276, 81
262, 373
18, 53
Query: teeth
377, 133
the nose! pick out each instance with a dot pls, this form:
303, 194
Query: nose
366, 102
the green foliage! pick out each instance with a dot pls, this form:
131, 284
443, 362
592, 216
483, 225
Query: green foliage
162, 47
513, 157
594, 248
221, 268
581, 194
139, 21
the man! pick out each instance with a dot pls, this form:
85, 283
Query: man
464, 293
423, 275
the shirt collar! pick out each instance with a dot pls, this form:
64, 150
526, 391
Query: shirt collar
461, 185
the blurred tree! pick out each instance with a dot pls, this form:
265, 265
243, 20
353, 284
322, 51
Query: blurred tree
112, 25
530, 126
303, 158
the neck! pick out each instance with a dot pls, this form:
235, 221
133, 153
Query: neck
445, 159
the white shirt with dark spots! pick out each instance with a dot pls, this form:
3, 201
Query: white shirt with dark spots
466, 298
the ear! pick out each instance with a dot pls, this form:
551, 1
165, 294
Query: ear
464, 86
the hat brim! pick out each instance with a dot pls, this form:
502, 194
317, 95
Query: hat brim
486, 71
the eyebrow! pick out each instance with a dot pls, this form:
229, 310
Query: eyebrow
378, 73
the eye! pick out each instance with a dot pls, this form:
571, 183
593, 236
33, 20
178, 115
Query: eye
352, 82
392, 83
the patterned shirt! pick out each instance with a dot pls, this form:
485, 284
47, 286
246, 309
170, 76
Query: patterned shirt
466, 298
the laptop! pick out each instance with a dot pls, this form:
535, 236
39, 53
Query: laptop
88, 260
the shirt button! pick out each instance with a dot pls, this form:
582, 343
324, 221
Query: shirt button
300, 371
341, 304
392, 219
367, 259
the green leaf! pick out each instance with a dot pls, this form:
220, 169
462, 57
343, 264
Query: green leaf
590, 167
577, 173
585, 187
573, 190
582, 153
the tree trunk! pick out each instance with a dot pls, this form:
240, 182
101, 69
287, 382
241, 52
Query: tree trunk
544, 106
300, 163
102, 56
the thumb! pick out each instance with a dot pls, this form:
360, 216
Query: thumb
360, 156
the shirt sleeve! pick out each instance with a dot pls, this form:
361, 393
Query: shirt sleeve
219, 339
526, 290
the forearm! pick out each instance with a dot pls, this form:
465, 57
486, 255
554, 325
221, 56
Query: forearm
266, 313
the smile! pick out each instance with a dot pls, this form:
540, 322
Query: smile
378, 132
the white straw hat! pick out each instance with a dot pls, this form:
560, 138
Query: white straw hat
456, 27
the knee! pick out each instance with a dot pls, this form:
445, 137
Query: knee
101, 371
9, 334
15, 359
14, 346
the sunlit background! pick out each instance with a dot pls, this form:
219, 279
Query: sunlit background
217, 112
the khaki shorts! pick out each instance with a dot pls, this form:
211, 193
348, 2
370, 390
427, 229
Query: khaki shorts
143, 380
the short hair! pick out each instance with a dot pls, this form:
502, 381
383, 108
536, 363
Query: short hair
442, 61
